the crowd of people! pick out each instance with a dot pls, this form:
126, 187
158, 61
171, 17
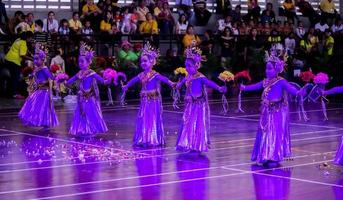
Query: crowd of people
238, 37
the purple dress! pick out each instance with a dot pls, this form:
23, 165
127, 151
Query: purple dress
195, 129
273, 135
38, 109
339, 155
149, 123
88, 119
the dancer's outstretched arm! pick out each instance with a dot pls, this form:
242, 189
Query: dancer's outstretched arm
131, 82
335, 90
101, 80
252, 87
71, 80
165, 80
213, 85
180, 84
290, 88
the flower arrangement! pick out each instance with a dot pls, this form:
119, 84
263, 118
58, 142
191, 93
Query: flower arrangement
226, 76
180, 70
243, 75
307, 76
321, 78
54, 68
61, 77
111, 74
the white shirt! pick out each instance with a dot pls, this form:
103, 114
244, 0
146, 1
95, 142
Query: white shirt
336, 28
184, 2
23, 26
235, 31
87, 31
58, 60
53, 27
222, 24
300, 31
181, 27
320, 27
290, 45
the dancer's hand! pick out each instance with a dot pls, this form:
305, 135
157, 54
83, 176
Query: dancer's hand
242, 87
107, 81
178, 85
124, 88
223, 89
173, 85
324, 93
301, 92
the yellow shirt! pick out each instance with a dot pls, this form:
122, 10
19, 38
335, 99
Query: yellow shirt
32, 27
274, 39
314, 40
157, 11
305, 45
329, 42
326, 6
18, 49
89, 8
149, 27
76, 25
190, 39
104, 26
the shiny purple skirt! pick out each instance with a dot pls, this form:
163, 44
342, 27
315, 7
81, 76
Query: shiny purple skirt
38, 110
194, 132
273, 135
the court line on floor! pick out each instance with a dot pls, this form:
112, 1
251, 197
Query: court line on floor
296, 112
9, 134
146, 157
285, 177
169, 103
182, 181
147, 176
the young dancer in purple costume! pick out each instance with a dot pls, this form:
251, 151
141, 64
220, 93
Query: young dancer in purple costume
149, 124
272, 142
339, 155
195, 129
88, 119
38, 109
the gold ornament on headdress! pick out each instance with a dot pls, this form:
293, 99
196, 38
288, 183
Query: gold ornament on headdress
150, 51
86, 51
41, 50
193, 52
272, 57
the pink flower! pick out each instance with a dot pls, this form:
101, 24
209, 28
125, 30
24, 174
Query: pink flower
321, 78
61, 77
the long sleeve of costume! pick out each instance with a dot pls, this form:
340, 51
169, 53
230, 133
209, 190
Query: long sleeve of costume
71, 81
334, 90
289, 88
253, 87
210, 84
165, 80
